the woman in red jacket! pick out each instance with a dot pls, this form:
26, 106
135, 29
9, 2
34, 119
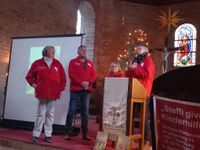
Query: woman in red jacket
115, 70
47, 77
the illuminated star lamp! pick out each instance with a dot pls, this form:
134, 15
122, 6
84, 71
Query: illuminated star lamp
168, 19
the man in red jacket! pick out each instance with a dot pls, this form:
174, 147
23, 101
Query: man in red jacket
142, 68
82, 75
48, 78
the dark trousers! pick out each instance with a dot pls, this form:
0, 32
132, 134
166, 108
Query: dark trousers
149, 122
82, 97
147, 134
152, 124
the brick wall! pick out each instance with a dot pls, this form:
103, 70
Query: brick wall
31, 18
114, 20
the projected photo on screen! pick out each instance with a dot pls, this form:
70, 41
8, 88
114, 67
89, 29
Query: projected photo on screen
36, 53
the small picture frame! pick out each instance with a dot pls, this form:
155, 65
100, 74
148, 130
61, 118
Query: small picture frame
123, 142
101, 141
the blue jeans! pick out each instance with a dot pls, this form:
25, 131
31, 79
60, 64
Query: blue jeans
84, 98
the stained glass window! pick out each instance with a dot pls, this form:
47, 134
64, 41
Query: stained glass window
185, 37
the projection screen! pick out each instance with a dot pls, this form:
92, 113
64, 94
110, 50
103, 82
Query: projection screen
20, 103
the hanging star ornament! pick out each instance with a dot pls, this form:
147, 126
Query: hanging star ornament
169, 19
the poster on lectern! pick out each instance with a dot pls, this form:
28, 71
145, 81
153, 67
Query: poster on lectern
177, 124
115, 105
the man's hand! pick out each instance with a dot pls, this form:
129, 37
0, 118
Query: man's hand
85, 84
34, 85
133, 65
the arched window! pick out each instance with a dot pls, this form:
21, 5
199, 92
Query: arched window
86, 25
78, 23
185, 37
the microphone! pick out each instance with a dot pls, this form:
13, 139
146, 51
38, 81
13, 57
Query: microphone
135, 59
138, 58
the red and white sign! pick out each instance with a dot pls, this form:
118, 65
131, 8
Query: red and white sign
177, 124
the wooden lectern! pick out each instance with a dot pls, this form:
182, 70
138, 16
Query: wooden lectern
120, 96
137, 94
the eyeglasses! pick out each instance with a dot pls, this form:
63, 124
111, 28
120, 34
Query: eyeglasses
114, 66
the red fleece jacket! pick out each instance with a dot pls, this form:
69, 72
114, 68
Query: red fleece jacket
49, 81
144, 72
119, 74
78, 73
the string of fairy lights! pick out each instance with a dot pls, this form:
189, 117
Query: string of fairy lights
135, 37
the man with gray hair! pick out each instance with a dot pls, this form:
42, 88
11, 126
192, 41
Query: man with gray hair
142, 68
47, 77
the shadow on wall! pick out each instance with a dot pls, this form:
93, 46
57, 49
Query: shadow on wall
97, 98
3, 80
2, 99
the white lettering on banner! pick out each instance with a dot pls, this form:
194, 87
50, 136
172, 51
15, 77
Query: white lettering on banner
190, 115
176, 120
179, 141
180, 111
177, 124
175, 111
